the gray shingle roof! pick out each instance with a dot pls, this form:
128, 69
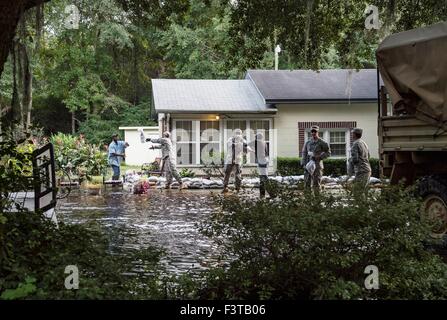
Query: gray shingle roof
307, 85
178, 95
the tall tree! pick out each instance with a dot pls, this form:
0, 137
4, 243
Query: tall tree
309, 29
10, 14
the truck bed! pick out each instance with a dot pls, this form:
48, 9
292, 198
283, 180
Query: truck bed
406, 133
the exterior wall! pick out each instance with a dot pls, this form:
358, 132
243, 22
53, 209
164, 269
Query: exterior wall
138, 153
223, 134
288, 116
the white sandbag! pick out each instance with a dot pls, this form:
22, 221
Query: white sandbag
373, 180
142, 136
310, 167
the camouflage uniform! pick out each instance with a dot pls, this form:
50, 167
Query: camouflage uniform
359, 164
168, 167
319, 148
236, 147
262, 160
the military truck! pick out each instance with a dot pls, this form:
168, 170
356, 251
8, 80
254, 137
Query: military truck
413, 115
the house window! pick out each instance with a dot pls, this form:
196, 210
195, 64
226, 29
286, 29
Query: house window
209, 142
236, 124
197, 142
249, 129
336, 138
337, 141
186, 142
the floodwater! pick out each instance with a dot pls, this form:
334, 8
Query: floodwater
167, 219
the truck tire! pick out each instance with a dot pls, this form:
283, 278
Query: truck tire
433, 190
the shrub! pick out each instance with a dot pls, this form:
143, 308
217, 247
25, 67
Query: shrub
74, 153
332, 167
304, 247
375, 167
289, 166
186, 173
98, 129
35, 253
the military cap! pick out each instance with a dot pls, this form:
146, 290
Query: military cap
316, 128
357, 131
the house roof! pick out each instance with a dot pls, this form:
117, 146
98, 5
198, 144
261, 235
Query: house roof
207, 96
298, 86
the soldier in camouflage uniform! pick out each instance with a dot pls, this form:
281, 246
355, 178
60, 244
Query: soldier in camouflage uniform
168, 167
236, 148
315, 149
359, 162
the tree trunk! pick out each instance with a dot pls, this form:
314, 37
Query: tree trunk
28, 87
135, 75
73, 123
14, 111
10, 13
22, 67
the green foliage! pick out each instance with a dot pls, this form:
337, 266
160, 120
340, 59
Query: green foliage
15, 166
75, 155
305, 247
309, 30
23, 290
51, 114
34, 251
186, 173
6, 84
332, 167
289, 166
148, 167
35, 254
375, 167
98, 129
199, 45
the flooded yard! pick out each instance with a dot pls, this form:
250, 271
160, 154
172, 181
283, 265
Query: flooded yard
165, 219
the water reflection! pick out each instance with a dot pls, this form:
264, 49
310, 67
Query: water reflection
166, 219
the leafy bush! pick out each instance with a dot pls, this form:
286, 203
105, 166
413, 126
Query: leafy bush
98, 129
149, 167
304, 247
289, 166
34, 251
375, 167
74, 153
332, 167
34, 254
15, 169
186, 173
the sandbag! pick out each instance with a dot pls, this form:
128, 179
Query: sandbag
311, 166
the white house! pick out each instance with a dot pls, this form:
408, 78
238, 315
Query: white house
283, 104
138, 153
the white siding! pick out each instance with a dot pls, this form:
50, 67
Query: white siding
288, 116
138, 153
